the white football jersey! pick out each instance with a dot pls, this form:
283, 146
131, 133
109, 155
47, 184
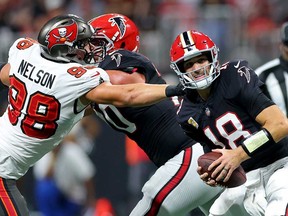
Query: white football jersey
43, 105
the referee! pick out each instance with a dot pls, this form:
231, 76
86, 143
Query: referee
275, 74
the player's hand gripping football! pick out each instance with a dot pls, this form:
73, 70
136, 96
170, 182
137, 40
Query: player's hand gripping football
223, 168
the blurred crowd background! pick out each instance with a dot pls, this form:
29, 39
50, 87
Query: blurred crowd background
247, 29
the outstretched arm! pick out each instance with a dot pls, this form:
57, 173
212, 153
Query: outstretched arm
138, 94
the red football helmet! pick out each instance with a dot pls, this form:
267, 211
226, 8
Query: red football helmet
188, 45
117, 30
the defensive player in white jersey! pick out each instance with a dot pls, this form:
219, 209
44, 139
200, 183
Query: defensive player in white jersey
48, 92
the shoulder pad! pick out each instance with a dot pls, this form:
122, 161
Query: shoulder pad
236, 76
234, 64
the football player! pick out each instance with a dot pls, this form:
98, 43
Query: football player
49, 89
225, 103
175, 188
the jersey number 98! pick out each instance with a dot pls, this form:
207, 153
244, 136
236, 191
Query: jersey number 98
42, 111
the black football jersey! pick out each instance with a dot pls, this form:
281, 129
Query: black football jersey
228, 116
155, 127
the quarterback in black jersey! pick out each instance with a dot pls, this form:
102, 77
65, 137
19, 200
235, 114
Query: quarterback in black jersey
226, 104
174, 188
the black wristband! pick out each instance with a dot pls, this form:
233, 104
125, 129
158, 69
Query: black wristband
257, 141
173, 90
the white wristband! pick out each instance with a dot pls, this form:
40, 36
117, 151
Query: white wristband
255, 141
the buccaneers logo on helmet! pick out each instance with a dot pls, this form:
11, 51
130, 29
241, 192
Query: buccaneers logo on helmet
62, 35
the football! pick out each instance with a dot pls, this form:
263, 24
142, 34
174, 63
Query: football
237, 178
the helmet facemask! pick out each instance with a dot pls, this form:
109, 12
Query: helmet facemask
99, 47
78, 53
87, 51
211, 70
101, 38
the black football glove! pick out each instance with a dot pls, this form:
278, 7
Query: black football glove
173, 90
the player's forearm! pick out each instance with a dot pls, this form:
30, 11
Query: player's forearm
139, 94
147, 94
274, 128
276, 123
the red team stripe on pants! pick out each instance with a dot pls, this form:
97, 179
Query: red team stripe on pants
6, 200
164, 192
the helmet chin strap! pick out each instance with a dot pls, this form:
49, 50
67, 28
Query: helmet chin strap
205, 83
189, 82
202, 84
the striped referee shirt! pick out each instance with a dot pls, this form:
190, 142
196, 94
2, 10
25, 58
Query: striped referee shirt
274, 74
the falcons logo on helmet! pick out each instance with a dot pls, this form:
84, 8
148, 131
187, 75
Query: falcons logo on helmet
120, 23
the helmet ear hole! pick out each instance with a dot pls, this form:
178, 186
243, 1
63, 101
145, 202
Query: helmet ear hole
122, 45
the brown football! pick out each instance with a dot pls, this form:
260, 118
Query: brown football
237, 178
